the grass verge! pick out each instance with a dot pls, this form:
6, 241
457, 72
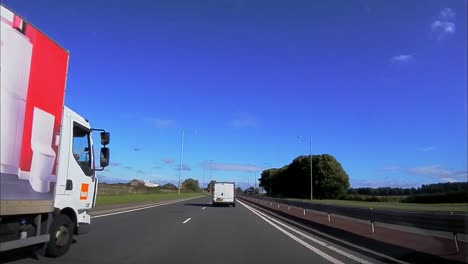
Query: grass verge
138, 198
439, 208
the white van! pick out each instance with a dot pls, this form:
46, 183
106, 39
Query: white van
224, 193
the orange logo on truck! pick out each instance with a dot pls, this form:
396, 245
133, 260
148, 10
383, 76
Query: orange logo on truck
84, 191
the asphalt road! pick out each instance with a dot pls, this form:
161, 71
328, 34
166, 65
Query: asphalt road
194, 232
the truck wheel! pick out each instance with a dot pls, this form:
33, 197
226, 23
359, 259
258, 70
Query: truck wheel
61, 236
234, 205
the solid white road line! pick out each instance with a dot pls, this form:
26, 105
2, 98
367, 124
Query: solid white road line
304, 235
141, 208
203, 208
355, 246
188, 219
295, 238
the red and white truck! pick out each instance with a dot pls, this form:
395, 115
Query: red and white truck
47, 171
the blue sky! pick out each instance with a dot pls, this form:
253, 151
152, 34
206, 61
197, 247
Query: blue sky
380, 85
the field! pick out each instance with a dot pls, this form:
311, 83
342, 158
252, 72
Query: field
137, 198
109, 194
440, 208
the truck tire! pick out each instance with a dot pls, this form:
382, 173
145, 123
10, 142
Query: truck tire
234, 205
61, 236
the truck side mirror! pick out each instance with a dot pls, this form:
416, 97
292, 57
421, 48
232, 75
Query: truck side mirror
105, 138
105, 155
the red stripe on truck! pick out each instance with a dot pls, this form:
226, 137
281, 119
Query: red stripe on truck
46, 88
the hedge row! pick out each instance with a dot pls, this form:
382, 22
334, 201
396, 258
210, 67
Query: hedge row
450, 197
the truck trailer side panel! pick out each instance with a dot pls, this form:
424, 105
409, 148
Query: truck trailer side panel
33, 75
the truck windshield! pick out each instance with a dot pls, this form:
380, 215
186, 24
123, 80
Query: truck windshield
81, 148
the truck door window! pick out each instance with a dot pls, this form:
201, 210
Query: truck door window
82, 148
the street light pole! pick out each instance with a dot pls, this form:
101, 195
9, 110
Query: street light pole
181, 156
211, 178
203, 181
311, 172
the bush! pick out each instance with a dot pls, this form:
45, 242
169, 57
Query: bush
373, 198
449, 197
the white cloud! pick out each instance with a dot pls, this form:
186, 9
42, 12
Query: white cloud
243, 120
440, 173
168, 160
109, 179
443, 29
159, 123
426, 149
401, 58
447, 14
391, 168
447, 180
444, 25
115, 164
232, 167
183, 167
163, 123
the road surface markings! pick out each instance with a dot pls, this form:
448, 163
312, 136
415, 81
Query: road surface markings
304, 235
347, 243
188, 219
295, 238
141, 208
203, 208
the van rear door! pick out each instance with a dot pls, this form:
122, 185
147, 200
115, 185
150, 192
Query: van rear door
223, 193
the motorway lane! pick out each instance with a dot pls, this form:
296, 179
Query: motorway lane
220, 234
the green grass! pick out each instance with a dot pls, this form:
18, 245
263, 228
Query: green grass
440, 208
138, 198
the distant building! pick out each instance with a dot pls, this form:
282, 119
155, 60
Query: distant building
140, 183
151, 184
137, 183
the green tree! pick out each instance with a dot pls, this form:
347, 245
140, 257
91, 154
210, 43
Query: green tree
268, 180
239, 190
210, 186
330, 179
191, 185
169, 186
293, 180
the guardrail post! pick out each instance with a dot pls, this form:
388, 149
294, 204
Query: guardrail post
278, 205
455, 238
289, 208
372, 222
329, 218
271, 204
304, 211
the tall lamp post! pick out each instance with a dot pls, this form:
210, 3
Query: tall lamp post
182, 154
311, 170
203, 181
211, 178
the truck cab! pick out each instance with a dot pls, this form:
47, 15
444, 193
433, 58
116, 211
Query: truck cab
76, 186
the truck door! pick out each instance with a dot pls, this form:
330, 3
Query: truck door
81, 180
